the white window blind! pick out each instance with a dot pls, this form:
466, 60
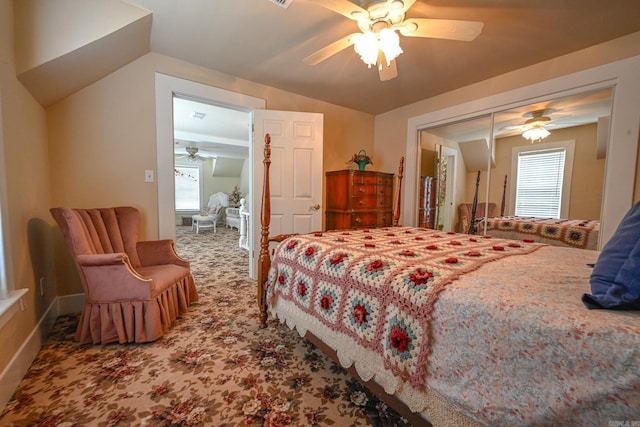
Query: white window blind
539, 184
187, 188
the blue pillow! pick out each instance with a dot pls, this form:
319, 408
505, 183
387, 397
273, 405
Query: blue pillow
615, 280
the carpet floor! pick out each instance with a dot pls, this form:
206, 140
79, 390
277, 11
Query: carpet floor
215, 367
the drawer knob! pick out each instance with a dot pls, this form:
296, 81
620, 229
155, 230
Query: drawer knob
358, 220
361, 202
361, 189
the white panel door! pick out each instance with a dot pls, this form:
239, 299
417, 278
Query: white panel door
295, 174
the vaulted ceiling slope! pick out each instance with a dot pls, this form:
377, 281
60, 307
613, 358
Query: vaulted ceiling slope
80, 41
63, 46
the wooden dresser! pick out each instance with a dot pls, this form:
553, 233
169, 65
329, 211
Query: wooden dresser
358, 199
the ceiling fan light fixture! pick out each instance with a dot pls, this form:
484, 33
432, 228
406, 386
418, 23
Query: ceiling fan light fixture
368, 45
536, 133
390, 44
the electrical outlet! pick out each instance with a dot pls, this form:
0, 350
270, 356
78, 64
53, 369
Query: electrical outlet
148, 175
42, 286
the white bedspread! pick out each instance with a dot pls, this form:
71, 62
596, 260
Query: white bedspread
513, 345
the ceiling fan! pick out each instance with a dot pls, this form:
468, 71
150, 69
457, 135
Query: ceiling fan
379, 21
193, 156
535, 128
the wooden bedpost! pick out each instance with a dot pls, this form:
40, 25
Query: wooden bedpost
264, 261
396, 214
472, 223
504, 192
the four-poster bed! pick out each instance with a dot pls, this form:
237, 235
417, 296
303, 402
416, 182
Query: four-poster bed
452, 329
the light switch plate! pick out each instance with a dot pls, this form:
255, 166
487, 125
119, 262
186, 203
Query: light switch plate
148, 175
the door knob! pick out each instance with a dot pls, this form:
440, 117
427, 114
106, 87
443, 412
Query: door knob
314, 207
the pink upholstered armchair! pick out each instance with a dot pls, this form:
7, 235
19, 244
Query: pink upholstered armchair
134, 290
464, 214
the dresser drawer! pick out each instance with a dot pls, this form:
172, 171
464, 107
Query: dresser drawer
361, 219
360, 203
365, 190
385, 219
371, 219
361, 178
372, 190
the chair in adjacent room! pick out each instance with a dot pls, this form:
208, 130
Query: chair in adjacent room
232, 219
134, 289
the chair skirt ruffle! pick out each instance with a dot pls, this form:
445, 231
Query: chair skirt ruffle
135, 320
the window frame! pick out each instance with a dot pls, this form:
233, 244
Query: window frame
199, 166
569, 147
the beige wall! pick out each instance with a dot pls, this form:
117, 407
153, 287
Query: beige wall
26, 202
103, 137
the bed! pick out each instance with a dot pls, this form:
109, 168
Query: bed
455, 329
572, 233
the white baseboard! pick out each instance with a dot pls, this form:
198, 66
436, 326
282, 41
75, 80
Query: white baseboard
69, 304
21, 361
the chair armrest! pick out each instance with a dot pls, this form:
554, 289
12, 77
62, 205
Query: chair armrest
96, 260
111, 277
157, 252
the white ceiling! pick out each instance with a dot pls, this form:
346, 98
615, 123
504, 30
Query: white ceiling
214, 130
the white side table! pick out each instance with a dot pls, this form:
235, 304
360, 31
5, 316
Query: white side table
203, 221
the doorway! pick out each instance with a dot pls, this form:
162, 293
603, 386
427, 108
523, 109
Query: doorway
214, 141
167, 88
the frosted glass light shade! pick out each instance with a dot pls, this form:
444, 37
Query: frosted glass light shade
536, 133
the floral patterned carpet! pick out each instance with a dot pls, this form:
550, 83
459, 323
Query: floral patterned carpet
215, 367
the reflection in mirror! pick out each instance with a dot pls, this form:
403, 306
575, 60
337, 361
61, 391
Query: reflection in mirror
552, 155
451, 156
576, 126
581, 119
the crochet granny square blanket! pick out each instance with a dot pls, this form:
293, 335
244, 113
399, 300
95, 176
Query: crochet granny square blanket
379, 286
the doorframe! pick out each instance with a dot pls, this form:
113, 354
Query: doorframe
166, 87
450, 192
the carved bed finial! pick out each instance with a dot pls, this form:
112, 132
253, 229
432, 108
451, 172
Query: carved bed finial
396, 214
504, 196
473, 229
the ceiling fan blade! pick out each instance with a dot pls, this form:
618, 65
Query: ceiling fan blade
441, 29
386, 72
329, 50
344, 7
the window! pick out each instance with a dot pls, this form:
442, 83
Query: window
188, 188
543, 179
